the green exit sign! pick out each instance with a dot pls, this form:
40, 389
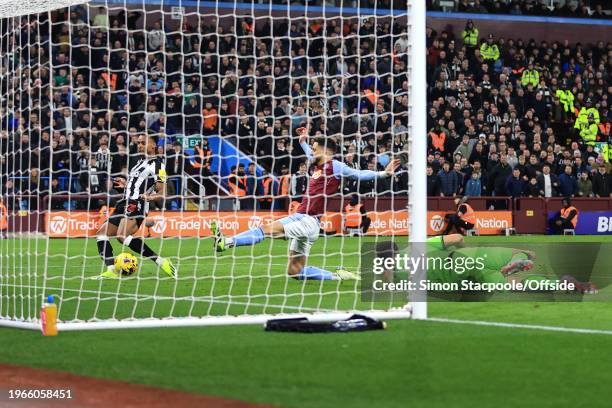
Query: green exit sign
189, 142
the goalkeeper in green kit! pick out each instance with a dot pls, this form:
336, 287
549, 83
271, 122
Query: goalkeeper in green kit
448, 261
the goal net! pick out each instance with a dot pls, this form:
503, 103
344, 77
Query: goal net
224, 90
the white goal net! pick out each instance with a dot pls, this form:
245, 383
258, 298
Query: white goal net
210, 99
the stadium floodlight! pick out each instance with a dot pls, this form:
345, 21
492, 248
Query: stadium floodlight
217, 85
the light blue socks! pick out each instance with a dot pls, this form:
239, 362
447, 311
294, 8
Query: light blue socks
250, 237
314, 273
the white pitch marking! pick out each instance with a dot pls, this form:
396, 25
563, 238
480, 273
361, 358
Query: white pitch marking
520, 326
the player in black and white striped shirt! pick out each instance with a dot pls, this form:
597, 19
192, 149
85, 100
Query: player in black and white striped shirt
146, 181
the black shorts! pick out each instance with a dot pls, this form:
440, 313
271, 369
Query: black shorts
133, 209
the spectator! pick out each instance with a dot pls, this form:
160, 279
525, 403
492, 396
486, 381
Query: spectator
465, 148
473, 187
433, 183
532, 189
253, 187
156, 37
584, 186
515, 185
602, 182
548, 183
299, 182
499, 175
567, 183
449, 181
175, 162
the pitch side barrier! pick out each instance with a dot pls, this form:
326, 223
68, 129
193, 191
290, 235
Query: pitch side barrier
532, 215
527, 215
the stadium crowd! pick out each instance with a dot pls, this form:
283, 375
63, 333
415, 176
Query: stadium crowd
505, 117
569, 8
76, 112
518, 118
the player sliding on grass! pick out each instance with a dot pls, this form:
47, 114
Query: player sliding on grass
498, 264
147, 175
302, 228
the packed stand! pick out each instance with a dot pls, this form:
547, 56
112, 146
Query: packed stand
569, 8
76, 112
519, 119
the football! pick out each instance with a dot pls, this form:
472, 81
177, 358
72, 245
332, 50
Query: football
126, 263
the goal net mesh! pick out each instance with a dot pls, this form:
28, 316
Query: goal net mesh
224, 88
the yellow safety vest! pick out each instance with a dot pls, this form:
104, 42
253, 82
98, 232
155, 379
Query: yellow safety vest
470, 38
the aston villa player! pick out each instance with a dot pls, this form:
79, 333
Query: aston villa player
302, 228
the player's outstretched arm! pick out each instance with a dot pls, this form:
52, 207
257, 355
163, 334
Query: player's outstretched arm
341, 169
303, 140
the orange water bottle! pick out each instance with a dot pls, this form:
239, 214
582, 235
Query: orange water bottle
48, 317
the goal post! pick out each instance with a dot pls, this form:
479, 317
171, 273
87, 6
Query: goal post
223, 88
418, 143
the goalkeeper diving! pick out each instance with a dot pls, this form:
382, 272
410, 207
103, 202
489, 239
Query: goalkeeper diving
491, 265
302, 228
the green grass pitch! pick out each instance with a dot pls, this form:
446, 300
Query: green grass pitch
415, 363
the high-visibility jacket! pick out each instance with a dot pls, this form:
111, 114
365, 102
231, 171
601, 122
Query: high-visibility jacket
111, 80
489, 52
352, 219
437, 140
285, 185
315, 27
583, 116
293, 206
470, 38
372, 97
604, 129
3, 217
530, 77
588, 133
267, 189
566, 98
210, 118
469, 215
565, 212
605, 151
237, 185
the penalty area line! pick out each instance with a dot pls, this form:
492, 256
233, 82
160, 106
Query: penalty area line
520, 326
